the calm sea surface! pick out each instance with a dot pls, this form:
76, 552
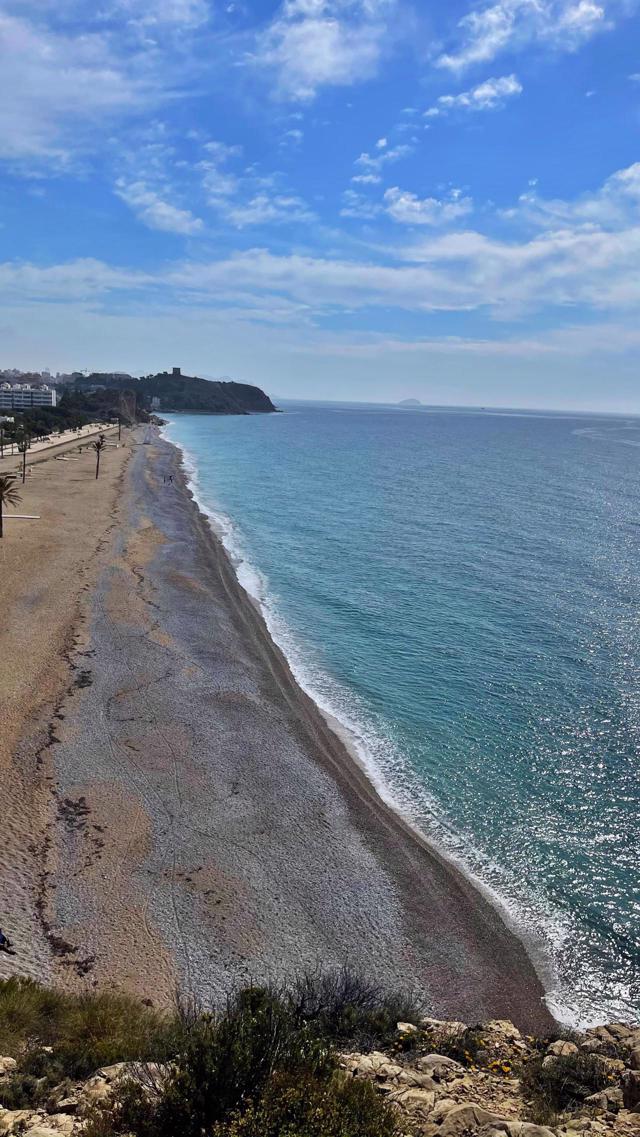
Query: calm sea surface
462, 589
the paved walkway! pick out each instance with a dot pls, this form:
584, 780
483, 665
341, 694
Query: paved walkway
59, 444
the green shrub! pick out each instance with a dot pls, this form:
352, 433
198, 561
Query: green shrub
57, 1036
561, 1085
308, 1107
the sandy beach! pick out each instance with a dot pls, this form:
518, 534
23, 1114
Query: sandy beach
179, 812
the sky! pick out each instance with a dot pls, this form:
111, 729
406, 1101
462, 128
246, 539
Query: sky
340, 199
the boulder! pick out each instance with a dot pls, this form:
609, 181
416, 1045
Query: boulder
463, 1118
388, 1071
441, 1109
631, 1090
503, 1027
562, 1048
7, 1066
12, 1119
439, 1066
413, 1078
634, 1060
592, 1045
418, 1103
407, 1028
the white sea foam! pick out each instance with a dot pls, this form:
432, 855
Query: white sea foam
399, 787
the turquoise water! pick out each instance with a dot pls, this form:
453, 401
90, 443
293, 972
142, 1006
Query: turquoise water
462, 590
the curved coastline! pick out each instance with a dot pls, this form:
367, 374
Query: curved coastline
526, 972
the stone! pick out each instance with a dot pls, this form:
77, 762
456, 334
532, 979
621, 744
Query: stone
562, 1048
631, 1090
530, 1130
413, 1078
619, 1030
441, 1109
7, 1066
600, 1032
407, 1028
387, 1071
597, 1101
439, 1065
634, 1059
113, 1073
504, 1027
11, 1119
97, 1089
41, 1131
592, 1045
463, 1118
62, 1123
418, 1103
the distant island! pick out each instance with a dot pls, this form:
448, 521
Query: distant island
410, 403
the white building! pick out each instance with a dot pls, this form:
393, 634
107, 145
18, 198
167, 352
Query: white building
22, 396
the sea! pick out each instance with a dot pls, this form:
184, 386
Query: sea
460, 589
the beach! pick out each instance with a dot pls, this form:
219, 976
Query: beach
180, 813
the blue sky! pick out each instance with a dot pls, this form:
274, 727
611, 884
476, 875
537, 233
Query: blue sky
357, 199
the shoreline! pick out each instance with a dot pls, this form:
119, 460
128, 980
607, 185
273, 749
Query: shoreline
342, 756
206, 826
347, 737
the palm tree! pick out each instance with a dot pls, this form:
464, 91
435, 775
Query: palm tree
99, 446
8, 493
23, 441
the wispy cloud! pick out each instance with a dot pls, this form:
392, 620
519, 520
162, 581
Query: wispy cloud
56, 87
156, 213
371, 165
487, 31
408, 209
316, 43
488, 96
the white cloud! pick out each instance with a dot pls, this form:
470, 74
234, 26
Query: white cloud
510, 25
488, 96
156, 213
373, 164
367, 179
409, 209
266, 208
613, 206
582, 255
176, 13
55, 88
357, 205
315, 43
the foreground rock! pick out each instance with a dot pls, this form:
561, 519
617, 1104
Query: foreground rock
445, 1079
486, 1089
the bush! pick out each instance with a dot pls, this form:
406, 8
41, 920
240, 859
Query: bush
349, 1010
561, 1085
308, 1107
57, 1036
243, 1068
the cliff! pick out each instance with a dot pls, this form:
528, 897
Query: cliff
178, 392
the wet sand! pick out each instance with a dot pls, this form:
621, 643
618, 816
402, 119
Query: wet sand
206, 826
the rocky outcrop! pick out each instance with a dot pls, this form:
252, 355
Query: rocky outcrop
444, 1079
483, 1091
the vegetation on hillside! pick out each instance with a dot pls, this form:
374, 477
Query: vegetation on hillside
263, 1064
